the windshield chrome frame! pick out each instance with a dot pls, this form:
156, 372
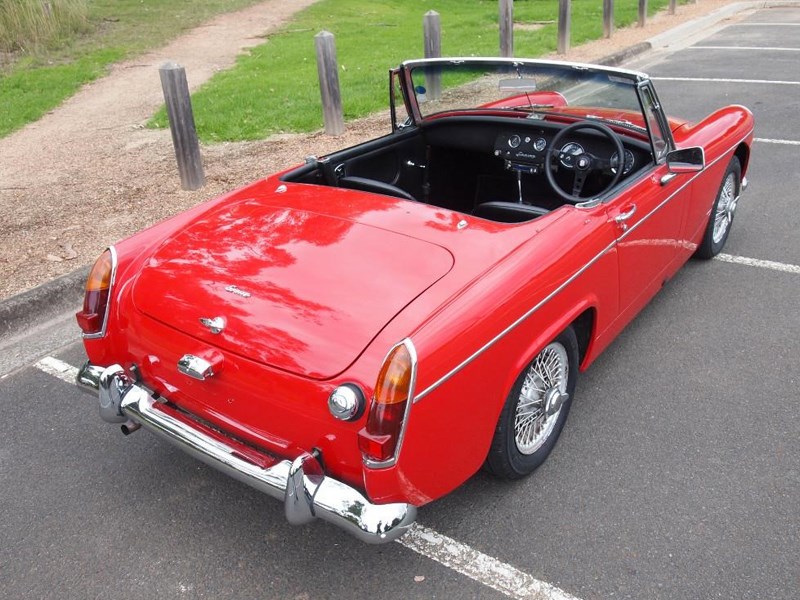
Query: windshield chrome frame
661, 119
636, 78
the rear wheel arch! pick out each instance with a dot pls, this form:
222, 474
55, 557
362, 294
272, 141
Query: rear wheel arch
584, 327
582, 318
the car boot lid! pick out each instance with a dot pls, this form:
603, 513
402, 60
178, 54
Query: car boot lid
296, 290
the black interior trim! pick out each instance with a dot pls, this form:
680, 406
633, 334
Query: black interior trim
508, 212
373, 185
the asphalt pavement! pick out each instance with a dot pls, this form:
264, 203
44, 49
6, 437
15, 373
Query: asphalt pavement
677, 474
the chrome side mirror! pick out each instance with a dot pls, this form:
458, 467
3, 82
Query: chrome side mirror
686, 160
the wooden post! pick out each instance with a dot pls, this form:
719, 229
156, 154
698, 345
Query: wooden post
672, 4
642, 13
432, 27
507, 28
564, 16
328, 71
181, 125
608, 18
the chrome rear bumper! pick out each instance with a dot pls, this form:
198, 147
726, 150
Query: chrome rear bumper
302, 485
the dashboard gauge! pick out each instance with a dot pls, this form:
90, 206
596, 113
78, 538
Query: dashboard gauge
539, 144
628, 162
514, 141
568, 153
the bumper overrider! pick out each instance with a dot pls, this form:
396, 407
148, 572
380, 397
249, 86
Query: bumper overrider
306, 491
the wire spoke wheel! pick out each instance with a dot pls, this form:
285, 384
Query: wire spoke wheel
535, 409
723, 215
543, 393
720, 220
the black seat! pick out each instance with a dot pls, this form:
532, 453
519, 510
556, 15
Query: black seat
508, 212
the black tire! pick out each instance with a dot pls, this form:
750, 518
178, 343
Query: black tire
513, 458
714, 239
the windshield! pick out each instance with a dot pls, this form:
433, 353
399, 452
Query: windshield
536, 89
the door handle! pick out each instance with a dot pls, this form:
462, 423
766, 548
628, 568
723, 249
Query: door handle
622, 217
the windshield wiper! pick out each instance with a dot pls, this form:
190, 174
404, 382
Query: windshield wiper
529, 107
620, 122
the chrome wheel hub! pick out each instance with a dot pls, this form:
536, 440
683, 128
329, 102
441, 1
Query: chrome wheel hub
723, 215
543, 394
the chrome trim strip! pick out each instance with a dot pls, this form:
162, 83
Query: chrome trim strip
513, 325
102, 332
676, 192
302, 484
572, 278
637, 75
373, 464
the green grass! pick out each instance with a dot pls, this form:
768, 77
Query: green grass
41, 75
30, 94
274, 88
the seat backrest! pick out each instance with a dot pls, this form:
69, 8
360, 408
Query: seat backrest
508, 212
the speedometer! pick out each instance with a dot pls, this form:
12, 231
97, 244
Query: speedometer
568, 153
628, 162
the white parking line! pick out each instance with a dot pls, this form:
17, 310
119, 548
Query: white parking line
757, 262
459, 557
719, 80
482, 568
749, 48
770, 141
57, 368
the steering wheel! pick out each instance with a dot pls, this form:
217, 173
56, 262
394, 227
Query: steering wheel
584, 162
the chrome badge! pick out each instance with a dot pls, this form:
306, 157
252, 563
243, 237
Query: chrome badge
215, 325
235, 290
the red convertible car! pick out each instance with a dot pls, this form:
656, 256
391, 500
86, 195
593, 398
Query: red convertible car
359, 335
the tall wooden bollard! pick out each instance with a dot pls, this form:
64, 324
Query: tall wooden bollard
608, 18
564, 17
642, 13
432, 30
672, 4
507, 28
181, 125
328, 71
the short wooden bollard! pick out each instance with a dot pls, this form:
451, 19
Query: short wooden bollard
642, 13
564, 17
507, 28
181, 125
608, 18
432, 29
328, 71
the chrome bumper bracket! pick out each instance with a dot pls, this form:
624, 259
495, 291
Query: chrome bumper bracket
306, 491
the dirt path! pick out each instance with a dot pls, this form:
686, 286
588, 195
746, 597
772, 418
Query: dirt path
88, 173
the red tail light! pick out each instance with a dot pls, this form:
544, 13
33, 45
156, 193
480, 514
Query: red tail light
380, 440
92, 319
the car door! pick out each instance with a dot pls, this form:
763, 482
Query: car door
648, 220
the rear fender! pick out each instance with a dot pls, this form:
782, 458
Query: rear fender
545, 336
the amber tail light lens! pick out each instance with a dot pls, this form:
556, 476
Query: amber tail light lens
95, 302
379, 440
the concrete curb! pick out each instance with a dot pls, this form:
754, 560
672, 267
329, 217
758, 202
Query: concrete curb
699, 24
624, 55
49, 300
689, 29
